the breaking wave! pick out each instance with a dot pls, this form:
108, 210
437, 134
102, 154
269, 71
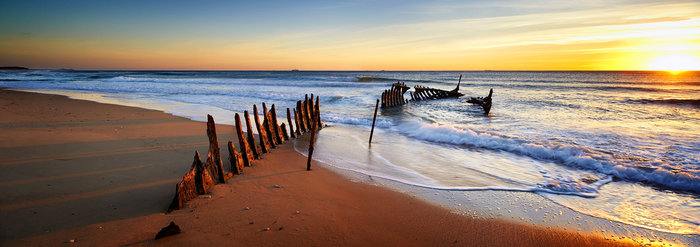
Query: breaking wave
571, 156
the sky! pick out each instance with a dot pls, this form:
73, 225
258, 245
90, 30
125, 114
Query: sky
351, 35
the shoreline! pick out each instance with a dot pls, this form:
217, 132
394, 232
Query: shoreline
267, 174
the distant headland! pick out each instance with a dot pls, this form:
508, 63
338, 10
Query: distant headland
13, 68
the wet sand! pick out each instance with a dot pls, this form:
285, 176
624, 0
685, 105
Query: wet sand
101, 174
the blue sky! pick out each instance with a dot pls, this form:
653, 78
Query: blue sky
336, 34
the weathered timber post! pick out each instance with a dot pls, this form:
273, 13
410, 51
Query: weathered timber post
311, 144
300, 111
214, 163
264, 145
236, 159
266, 125
296, 121
284, 132
273, 118
318, 113
251, 139
291, 127
373, 120
245, 149
311, 106
196, 181
307, 118
202, 179
384, 98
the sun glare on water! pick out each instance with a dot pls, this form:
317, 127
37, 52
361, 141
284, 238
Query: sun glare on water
675, 63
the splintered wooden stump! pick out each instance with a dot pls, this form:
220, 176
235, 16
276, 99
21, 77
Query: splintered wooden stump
284, 132
184, 191
236, 159
264, 144
307, 118
196, 181
275, 126
291, 127
245, 148
300, 116
203, 180
214, 163
311, 106
317, 111
266, 124
257, 152
296, 121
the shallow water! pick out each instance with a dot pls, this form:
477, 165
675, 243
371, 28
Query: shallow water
619, 145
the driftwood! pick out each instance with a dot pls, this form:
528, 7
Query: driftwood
264, 144
484, 102
197, 181
245, 148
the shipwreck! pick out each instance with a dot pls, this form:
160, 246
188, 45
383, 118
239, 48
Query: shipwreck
395, 95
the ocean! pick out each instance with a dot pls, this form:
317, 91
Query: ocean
623, 146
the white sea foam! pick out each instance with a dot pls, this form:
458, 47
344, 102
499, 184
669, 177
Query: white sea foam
567, 155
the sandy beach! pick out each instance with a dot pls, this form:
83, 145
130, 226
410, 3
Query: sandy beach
80, 172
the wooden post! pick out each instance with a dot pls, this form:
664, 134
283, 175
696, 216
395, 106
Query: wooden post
202, 179
214, 163
300, 111
311, 106
245, 149
318, 113
264, 145
266, 125
251, 139
284, 132
273, 121
305, 112
384, 98
296, 121
311, 144
236, 159
373, 120
291, 127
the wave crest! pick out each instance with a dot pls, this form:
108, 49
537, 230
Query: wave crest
571, 156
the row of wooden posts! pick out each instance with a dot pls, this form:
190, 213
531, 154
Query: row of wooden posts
203, 176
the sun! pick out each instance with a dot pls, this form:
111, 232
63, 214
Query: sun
675, 63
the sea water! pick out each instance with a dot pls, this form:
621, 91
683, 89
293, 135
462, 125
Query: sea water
623, 146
